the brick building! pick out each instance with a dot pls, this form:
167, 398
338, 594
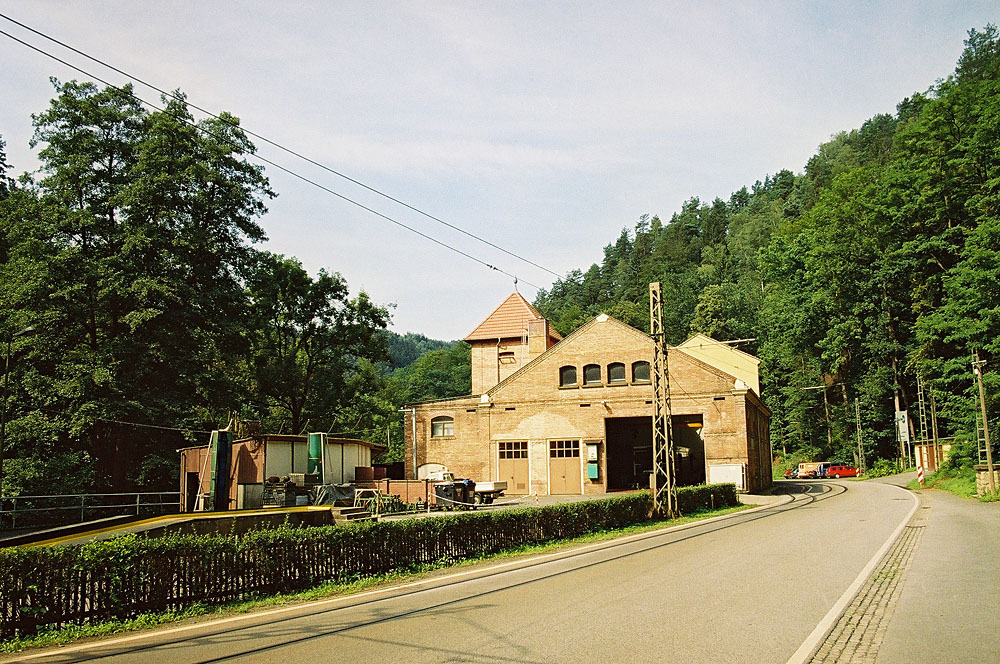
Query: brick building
574, 415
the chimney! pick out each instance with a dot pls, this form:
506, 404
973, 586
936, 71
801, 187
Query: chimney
538, 337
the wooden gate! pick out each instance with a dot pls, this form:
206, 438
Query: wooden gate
564, 467
513, 467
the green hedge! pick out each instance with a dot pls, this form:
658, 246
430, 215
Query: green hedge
131, 575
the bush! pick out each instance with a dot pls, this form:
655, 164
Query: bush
963, 454
692, 499
883, 468
128, 576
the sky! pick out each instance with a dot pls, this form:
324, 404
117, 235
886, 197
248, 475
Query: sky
542, 127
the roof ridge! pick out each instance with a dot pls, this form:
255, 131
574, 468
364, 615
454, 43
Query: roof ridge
600, 318
508, 319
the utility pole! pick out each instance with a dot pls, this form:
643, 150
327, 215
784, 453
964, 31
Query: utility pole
861, 449
922, 405
664, 484
934, 430
895, 399
977, 368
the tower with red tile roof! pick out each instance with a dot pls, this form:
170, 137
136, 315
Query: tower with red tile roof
510, 337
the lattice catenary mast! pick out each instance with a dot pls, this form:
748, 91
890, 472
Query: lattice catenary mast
664, 482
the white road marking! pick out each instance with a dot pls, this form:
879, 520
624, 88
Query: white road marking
815, 638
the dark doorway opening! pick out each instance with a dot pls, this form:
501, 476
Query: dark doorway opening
629, 443
689, 449
191, 492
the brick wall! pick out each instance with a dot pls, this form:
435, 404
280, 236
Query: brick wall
532, 406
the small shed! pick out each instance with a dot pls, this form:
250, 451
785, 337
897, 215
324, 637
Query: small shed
272, 458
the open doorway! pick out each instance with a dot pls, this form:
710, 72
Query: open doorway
629, 443
689, 449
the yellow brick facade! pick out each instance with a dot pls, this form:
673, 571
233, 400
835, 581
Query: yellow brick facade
530, 406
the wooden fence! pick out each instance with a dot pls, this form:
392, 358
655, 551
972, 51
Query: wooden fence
124, 577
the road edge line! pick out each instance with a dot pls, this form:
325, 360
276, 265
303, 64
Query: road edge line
428, 584
827, 623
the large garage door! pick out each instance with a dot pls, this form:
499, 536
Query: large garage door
513, 467
564, 467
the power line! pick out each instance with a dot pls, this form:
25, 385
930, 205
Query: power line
269, 142
265, 160
132, 424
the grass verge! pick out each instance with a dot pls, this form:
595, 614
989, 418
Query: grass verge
73, 633
960, 482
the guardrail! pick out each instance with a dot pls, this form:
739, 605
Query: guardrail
65, 509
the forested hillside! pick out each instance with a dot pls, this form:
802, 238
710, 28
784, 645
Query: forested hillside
880, 263
138, 314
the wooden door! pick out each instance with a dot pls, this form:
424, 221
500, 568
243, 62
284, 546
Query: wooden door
564, 467
513, 467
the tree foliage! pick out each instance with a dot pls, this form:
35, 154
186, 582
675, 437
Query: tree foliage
876, 266
130, 257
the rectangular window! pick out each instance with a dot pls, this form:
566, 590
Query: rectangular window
517, 450
559, 449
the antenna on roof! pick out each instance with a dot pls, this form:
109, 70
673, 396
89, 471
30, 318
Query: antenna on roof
515, 284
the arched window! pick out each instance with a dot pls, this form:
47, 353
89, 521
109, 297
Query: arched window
616, 373
640, 372
442, 426
567, 376
592, 374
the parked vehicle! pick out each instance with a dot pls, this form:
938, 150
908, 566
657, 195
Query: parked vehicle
814, 470
808, 471
477, 493
791, 473
487, 492
838, 470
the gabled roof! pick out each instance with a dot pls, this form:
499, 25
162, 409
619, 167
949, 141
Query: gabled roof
509, 320
602, 318
723, 355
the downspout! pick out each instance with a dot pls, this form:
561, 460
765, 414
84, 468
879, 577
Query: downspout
498, 361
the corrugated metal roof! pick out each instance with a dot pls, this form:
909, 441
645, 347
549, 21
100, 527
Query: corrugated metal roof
509, 320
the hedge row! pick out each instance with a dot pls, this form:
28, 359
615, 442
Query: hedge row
127, 576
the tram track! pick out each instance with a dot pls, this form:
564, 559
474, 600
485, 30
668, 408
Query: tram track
800, 495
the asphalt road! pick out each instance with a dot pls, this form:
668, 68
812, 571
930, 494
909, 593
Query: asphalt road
748, 588
949, 606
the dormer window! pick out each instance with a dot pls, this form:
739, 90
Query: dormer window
616, 373
592, 374
442, 426
567, 376
640, 372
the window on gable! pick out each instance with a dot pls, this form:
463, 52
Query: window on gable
640, 372
616, 372
592, 374
442, 426
567, 376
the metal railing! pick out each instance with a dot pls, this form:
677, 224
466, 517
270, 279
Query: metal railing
66, 509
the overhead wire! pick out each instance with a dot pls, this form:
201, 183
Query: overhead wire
254, 155
273, 144
53, 411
